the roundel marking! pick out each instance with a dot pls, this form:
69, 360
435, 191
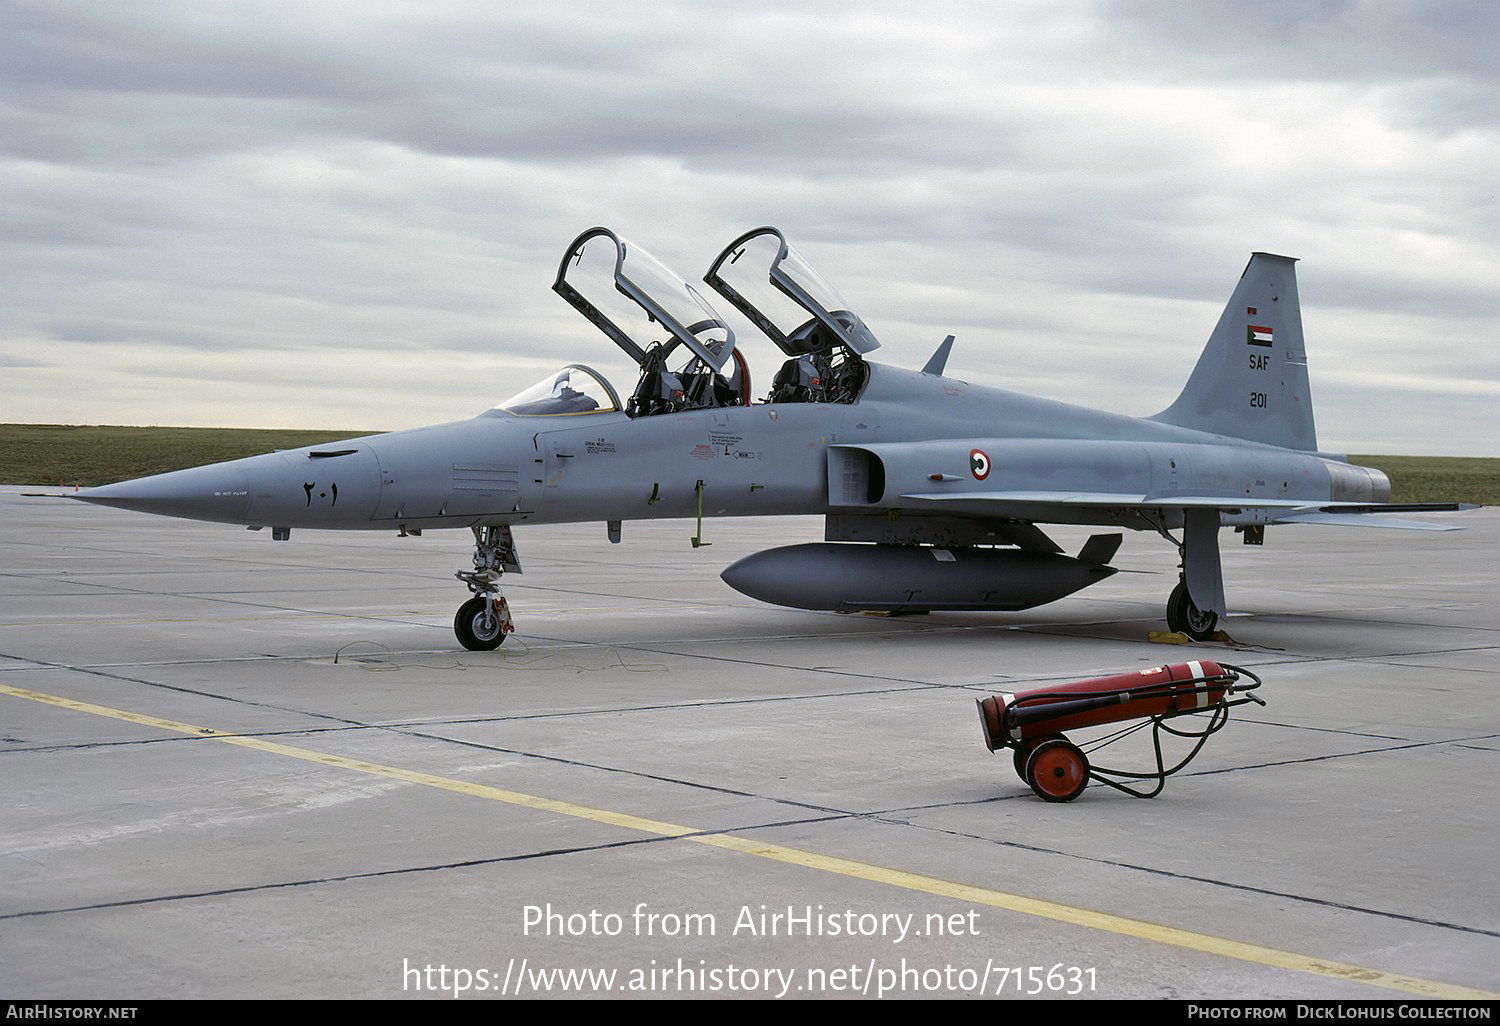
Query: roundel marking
979, 464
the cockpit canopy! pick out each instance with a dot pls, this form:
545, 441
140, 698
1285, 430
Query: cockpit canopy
574, 390
771, 283
666, 312
684, 350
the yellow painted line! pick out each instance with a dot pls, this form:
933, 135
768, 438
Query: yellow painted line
1102, 921
966, 893
361, 766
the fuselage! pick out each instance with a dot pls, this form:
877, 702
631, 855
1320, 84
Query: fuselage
762, 459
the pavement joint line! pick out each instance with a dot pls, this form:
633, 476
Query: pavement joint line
902, 879
898, 686
890, 817
376, 874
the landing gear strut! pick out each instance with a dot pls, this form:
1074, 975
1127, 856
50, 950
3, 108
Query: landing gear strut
482, 623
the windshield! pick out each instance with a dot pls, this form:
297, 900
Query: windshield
574, 390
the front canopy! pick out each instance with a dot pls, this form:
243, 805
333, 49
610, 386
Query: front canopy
574, 390
666, 312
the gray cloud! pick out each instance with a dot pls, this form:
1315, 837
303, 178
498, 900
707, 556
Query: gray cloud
1073, 189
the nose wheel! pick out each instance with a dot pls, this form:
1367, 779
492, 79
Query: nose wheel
482, 623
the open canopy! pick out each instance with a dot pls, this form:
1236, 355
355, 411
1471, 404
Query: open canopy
666, 312
771, 283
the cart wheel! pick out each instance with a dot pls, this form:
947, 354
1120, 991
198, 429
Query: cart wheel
1057, 770
1025, 748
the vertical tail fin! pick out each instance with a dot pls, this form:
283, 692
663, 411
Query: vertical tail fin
1251, 381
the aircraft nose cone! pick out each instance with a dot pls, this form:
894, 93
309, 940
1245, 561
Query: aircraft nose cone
220, 492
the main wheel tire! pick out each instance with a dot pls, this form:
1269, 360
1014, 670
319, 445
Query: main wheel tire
1057, 770
477, 625
1186, 618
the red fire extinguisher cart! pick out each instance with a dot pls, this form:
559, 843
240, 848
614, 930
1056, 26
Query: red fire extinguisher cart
1031, 723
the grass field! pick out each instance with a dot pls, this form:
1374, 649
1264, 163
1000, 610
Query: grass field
53, 454
68, 455
1439, 478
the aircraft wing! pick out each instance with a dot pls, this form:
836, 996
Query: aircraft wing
1034, 505
1361, 520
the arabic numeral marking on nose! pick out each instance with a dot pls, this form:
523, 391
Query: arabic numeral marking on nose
1257, 400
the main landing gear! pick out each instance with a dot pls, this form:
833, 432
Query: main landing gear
1186, 618
1198, 560
482, 623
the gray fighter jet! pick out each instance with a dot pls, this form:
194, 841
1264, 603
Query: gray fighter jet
932, 487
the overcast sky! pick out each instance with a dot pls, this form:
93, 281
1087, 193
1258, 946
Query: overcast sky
349, 215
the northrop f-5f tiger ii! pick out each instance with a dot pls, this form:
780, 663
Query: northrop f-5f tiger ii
932, 488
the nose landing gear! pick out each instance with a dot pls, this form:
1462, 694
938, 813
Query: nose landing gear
482, 623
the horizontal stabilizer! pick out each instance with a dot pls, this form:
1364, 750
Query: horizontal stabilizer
1398, 507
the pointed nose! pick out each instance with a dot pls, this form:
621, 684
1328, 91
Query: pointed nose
220, 492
